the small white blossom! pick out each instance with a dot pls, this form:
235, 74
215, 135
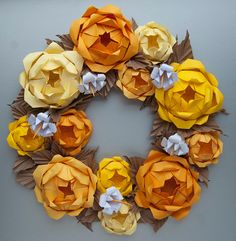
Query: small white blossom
41, 124
164, 76
91, 83
175, 145
110, 201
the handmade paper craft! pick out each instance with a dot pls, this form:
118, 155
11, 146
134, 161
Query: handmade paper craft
51, 130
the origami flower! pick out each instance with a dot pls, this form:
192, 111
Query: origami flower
167, 186
155, 41
114, 172
41, 124
193, 97
204, 148
91, 83
22, 138
64, 186
122, 223
175, 145
51, 77
104, 38
73, 131
163, 76
109, 201
135, 84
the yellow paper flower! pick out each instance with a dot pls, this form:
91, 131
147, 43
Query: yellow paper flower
122, 223
114, 172
64, 186
104, 37
167, 186
204, 148
155, 41
22, 138
135, 84
73, 131
51, 77
193, 98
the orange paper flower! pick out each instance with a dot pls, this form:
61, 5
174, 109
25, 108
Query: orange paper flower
104, 37
204, 148
73, 131
64, 186
135, 84
167, 186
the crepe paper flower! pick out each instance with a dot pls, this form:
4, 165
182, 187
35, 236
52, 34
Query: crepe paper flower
51, 77
175, 145
167, 186
135, 84
41, 124
110, 201
192, 99
164, 76
123, 222
22, 138
115, 172
91, 83
155, 41
64, 186
73, 131
204, 148
104, 37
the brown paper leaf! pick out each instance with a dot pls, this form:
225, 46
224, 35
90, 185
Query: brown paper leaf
135, 163
147, 217
87, 217
150, 101
87, 156
20, 108
203, 174
41, 157
181, 51
23, 163
134, 24
57, 149
163, 128
111, 78
66, 41
139, 62
25, 178
80, 103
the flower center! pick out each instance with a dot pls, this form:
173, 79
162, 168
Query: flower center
66, 190
117, 179
152, 41
53, 78
139, 81
170, 186
189, 94
105, 39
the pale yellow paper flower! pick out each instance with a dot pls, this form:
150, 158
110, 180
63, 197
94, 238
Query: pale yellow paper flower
155, 41
51, 77
122, 223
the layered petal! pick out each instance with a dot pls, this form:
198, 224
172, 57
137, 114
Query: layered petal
104, 37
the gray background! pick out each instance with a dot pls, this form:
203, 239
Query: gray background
120, 128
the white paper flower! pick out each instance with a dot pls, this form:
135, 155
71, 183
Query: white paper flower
92, 83
110, 201
175, 145
41, 124
164, 76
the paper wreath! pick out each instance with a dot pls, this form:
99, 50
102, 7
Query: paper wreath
51, 129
